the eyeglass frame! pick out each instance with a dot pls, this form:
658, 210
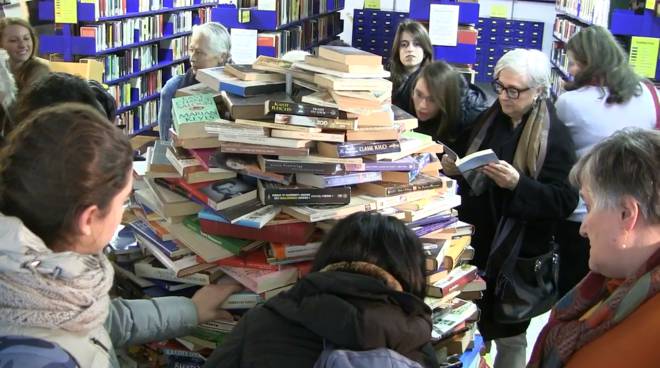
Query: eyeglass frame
511, 92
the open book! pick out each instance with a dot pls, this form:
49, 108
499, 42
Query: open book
476, 160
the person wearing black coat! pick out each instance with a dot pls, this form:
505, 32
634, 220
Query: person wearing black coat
364, 292
446, 105
529, 184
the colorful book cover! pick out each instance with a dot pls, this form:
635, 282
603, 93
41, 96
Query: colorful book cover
194, 109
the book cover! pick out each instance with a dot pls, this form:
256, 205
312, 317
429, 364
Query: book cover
476, 160
257, 219
232, 244
251, 107
357, 149
170, 248
261, 281
254, 259
271, 193
457, 278
193, 109
296, 233
247, 165
303, 109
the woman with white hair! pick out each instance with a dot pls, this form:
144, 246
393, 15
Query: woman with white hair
210, 46
519, 199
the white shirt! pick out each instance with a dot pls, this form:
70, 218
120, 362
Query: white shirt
590, 119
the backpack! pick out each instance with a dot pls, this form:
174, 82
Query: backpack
381, 358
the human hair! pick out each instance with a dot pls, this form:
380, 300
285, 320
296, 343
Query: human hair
58, 162
532, 64
104, 98
603, 62
54, 88
419, 35
445, 84
218, 36
7, 82
14, 21
626, 163
377, 239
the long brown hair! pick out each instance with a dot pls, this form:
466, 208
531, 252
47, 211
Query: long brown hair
446, 86
603, 62
419, 35
13, 21
56, 163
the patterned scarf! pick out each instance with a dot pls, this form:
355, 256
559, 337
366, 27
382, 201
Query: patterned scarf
565, 333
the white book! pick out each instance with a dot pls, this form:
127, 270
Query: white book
336, 73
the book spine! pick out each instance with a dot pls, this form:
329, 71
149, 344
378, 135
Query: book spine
427, 229
388, 166
432, 220
350, 179
169, 275
307, 196
399, 189
292, 167
292, 108
263, 150
241, 301
451, 282
367, 148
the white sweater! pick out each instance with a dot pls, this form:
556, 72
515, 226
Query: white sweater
590, 119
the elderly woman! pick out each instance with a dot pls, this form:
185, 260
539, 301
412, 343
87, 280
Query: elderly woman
528, 187
210, 46
612, 317
20, 41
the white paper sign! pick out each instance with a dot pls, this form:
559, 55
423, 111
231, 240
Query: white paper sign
267, 5
443, 24
387, 5
402, 6
243, 45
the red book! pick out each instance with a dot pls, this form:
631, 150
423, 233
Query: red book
253, 259
456, 280
295, 233
203, 155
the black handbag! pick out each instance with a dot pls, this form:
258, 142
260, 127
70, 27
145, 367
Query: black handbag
525, 287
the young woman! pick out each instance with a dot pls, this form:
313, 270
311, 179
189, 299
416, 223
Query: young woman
605, 96
210, 46
411, 51
365, 292
21, 42
65, 173
446, 105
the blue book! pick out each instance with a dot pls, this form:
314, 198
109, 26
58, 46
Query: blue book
217, 79
168, 247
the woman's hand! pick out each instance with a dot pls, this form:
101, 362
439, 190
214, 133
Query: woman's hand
503, 174
208, 299
449, 166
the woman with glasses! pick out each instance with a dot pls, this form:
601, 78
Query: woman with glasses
605, 95
527, 186
445, 104
411, 51
210, 46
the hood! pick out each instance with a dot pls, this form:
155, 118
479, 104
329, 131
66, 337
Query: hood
473, 102
356, 311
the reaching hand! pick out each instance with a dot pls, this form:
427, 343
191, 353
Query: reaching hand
449, 166
503, 174
209, 298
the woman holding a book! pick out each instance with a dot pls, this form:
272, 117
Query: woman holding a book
365, 292
446, 104
210, 46
65, 173
522, 195
612, 317
411, 51
605, 95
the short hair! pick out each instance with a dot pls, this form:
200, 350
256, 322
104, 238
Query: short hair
56, 163
419, 34
218, 36
381, 240
605, 62
14, 21
532, 64
626, 163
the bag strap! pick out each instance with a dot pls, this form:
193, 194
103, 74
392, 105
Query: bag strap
504, 229
656, 102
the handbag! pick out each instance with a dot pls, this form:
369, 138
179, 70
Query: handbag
525, 287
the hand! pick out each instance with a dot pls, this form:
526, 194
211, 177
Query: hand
503, 174
208, 299
449, 166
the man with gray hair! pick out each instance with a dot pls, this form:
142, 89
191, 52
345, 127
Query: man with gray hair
210, 46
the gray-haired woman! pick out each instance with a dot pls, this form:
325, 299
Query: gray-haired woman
210, 46
528, 186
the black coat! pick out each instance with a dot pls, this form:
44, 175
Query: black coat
542, 203
350, 310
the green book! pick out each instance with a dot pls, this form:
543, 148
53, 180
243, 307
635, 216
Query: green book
233, 245
189, 113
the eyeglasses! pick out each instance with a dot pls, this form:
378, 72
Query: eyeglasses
511, 92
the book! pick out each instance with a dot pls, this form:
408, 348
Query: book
242, 300
326, 181
157, 162
349, 55
151, 268
341, 67
256, 219
422, 182
247, 73
261, 281
198, 89
271, 193
292, 167
238, 212
432, 206
282, 251
317, 158
476, 160
313, 136
189, 234
274, 125
354, 84
348, 100
375, 73
296, 233
353, 149
191, 113
256, 149
316, 122
219, 194
170, 248
268, 141
181, 266
247, 165
254, 259
303, 109
457, 278
252, 107
165, 202
219, 80
315, 213
193, 142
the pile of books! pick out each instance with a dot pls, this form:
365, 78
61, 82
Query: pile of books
252, 179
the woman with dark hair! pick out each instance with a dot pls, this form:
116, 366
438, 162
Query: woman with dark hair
65, 174
410, 52
606, 95
365, 292
21, 42
446, 104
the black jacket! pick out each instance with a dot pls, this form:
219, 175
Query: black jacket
473, 103
402, 93
542, 203
350, 310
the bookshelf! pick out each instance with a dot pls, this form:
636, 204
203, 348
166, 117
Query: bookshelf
140, 43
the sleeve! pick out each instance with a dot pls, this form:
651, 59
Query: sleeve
230, 352
165, 107
551, 197
139, 321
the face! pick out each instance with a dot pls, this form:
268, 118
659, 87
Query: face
605, 231
18, 43
104, 227
425, 108
574, 67
201, 54
411, 52
515, 108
